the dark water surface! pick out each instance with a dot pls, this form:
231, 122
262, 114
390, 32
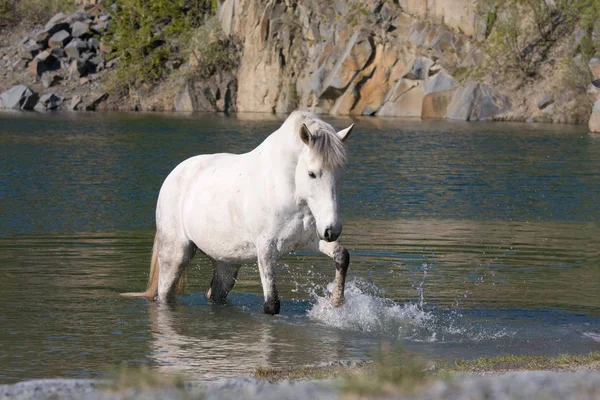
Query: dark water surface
466, 240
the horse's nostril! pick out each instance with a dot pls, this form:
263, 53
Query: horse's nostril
328, 234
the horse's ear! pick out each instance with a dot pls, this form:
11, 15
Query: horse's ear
305, 134
344, 133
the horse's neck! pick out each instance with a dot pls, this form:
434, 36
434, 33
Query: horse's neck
281, 150
279, 155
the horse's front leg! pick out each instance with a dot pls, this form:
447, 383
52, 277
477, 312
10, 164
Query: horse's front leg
267, 256
341, 259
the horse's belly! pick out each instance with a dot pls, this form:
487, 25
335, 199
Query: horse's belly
226, 248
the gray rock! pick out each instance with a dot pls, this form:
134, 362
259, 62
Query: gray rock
438, 83
75, 48
97, 60
43, 62
50, 79
545, 100
76, 103
81, 68
419, 68
19, 97
489, 103
103, 17
57, 23
80, 29
59, 39
58, 18
93, 43
184, 101
100, 27
50, 101
97, 98
29, 50
79, 16
58, 52
594, 122
462, 102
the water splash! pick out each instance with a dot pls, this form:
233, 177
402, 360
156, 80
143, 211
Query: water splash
367, 309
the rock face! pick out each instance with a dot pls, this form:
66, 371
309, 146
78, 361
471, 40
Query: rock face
376, 60
217, 94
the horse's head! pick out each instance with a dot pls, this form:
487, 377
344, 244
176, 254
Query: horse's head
319, 174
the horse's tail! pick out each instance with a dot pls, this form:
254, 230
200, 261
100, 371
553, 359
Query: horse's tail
152, 287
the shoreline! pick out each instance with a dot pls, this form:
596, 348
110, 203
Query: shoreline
562, 377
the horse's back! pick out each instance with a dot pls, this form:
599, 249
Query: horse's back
202, 200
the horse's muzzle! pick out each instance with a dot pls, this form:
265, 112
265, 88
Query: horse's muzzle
331, 235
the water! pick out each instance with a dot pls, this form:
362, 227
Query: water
466, 240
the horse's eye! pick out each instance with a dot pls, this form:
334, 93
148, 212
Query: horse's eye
312, 175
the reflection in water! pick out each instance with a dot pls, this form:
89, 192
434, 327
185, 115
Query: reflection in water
466, 239
215, 351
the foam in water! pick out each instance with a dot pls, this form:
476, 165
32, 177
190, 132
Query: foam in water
366, 309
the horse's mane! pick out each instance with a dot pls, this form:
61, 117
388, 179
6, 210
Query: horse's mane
325, 141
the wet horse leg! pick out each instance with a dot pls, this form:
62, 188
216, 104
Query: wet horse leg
341, 259
173, 256
223, 280
267, 256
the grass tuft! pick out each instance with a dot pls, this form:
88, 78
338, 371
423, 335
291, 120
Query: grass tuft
142, 378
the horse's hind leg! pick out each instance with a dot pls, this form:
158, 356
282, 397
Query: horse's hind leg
173, 256
223, 280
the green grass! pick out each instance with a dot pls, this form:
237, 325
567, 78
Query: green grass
525, 363
142, 378
398, 372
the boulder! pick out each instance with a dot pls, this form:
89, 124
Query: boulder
76, 103
56, 24
97, 98
489, 103
59, 39
545, 100
594, 123
440, 82
50, 79
476, 102
58, 52
49, 101
43, 62
75, 48
19, 97
81, 68
462, 102
419, 68
100, 27
29, 50
57, 19
79, 16
80, 29
93, 43
594, 65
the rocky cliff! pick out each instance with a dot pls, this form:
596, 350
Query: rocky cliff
388, 58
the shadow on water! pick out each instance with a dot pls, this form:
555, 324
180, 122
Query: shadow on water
466, 240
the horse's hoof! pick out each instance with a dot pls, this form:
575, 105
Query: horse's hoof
207, 294
272, 307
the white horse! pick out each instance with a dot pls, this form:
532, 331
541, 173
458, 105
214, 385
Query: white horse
252, 207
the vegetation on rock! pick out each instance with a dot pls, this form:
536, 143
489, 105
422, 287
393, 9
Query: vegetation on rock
148, 35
